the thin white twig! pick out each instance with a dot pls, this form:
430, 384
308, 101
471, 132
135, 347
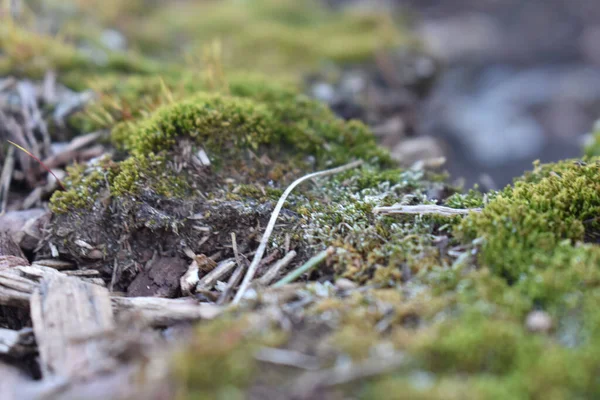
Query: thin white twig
265, 239
235, 278
425, 209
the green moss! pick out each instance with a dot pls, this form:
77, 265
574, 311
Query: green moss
421, 386
474, 344
84, 185
220, 124
472, 199
131, 97
378, 249
219, 363
260, 193
27, 53
127, 179
271, 114
150, 172
281, 37
524, 225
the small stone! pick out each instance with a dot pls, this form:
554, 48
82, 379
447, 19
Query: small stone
538, 321
95, 254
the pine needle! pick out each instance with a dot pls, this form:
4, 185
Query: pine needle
24, 150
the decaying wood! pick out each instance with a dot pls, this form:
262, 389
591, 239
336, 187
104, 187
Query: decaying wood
63, 310
84, 353
425, 209
70, 151
16, 343
17, 285
10, 253
15, 290
14, 385
157, 311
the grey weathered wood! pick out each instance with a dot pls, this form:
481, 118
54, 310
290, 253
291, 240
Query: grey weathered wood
70, 317
15, 290
10, 253
17, 285
156, 311
16, 343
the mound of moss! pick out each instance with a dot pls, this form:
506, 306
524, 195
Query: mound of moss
204, 153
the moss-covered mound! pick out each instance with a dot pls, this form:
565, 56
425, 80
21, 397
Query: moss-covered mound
500, 303
513, 316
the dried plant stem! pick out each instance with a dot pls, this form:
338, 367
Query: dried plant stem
30, 154
265, 239
237, 274
307, 266
425, 209
233, 281
268, 277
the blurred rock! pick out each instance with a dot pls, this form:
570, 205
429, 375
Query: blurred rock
539, 322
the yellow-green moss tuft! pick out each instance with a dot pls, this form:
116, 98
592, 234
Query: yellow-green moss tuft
219, 363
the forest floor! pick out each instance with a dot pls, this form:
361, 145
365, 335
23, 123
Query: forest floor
231, 200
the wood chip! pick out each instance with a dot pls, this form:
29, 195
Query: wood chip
220, 271
17, 343
64, 309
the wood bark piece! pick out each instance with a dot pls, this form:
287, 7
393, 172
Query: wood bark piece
14, 289
16, 343
17, 285
69, 318
10, 253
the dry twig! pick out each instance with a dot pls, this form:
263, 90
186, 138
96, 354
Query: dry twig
425, 209
268, 277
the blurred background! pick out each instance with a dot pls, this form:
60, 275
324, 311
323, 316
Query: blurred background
491, 85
